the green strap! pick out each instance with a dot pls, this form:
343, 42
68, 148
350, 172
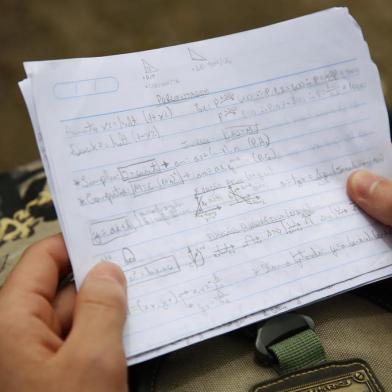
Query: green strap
299, 351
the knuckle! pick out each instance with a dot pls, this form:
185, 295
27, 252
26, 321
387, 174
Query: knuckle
105, 293
113, 303
35, 249
12, 327
32, 250
40, 246
39, 307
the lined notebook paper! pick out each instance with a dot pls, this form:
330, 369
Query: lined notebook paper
214, 173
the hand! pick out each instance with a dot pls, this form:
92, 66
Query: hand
55, 340
372, 193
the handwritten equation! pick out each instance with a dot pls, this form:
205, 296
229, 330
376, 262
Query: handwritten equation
238, 163
257, 168
214, 173
254, 168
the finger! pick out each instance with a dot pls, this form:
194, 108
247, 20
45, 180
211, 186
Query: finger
372, 193
99, 314
63, 306
40, 268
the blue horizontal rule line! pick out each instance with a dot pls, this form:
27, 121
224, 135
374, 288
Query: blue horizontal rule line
253, 260
196, 331
221, 155
247, 261
321, 130
257, 193
212, 92
355, 106
223, 219
223, 124
249, 211
272, 288
231, 104
318, 273
269, 255
297, 152
255, 163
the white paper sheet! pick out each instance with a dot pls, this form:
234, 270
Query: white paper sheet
214, 173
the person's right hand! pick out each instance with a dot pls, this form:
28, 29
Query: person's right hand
372, 193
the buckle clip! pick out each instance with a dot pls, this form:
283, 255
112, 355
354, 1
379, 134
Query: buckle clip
277, 329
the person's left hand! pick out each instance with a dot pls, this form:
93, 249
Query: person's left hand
55, 340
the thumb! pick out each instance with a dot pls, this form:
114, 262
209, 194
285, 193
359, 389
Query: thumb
372, 193
100, 313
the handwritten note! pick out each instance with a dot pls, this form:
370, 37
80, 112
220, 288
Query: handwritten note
214, 173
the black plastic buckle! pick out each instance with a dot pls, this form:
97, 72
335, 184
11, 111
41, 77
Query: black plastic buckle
277, 329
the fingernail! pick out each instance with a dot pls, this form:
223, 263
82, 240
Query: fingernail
364, 183
108, 270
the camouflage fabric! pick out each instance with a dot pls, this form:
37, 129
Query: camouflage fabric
348, 326
26, 213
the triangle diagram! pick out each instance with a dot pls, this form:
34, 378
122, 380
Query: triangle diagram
148, 68
196, 56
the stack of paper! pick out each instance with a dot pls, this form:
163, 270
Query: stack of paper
214, 173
